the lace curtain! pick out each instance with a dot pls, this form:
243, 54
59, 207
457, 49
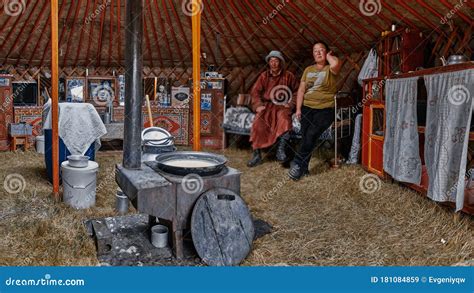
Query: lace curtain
449, 111
401, 146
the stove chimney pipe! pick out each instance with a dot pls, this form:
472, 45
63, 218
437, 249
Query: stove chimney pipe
133, 84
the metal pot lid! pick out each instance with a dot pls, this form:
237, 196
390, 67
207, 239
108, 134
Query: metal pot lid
156, 136
222, 228
184, 163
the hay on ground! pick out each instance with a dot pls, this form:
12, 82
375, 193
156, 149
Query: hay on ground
324, 219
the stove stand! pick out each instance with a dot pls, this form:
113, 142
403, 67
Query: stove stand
171, 198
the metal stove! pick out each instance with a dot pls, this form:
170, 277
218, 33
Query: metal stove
171, 198
221, 225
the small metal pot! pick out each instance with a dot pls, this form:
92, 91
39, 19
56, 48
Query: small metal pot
159, 236
78, 161
456, 59
121, 203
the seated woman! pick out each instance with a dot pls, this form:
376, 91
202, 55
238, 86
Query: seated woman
273, 104
315, 104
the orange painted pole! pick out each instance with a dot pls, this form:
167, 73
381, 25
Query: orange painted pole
196, 29
54, 92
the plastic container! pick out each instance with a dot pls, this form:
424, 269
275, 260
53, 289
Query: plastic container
63, 153
40, 144
79, 185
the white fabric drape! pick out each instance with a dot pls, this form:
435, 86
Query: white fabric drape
370, 67
355, 148
401, 157
449, 111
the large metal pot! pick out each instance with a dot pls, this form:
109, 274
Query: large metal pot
184, 163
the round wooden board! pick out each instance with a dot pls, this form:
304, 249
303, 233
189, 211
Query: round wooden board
222, 228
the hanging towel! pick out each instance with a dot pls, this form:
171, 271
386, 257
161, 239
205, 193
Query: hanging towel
370, 67
355, 148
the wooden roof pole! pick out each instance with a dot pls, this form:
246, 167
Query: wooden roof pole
434, 26
102, 23
33, 53
15, 42
196, 29
458, 11
119, 34
91, 32
30, 34
218, 29
163, 31
71, 33
83, 28
60, 11
111, 35
155, 35
147, 42
54, 95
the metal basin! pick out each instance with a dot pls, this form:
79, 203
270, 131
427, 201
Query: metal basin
184, 163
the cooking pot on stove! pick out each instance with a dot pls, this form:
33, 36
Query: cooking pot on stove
184, 163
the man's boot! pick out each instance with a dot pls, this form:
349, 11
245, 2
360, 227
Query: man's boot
281, 150
256, 159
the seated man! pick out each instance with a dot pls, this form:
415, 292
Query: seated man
273, 104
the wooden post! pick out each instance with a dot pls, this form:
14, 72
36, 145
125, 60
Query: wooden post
154, 88
148, 106
54, 91
196, 29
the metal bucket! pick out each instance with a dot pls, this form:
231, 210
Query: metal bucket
159, 236
79, 185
